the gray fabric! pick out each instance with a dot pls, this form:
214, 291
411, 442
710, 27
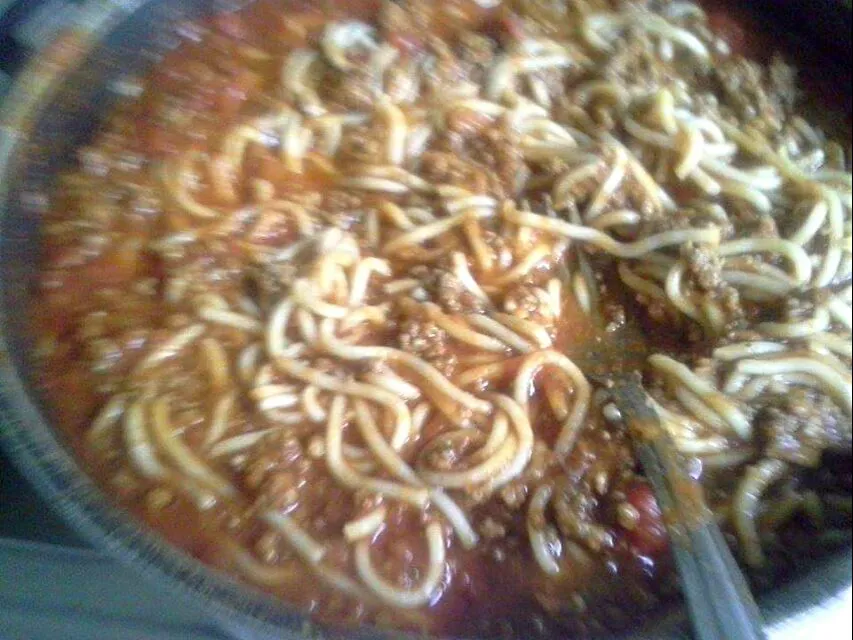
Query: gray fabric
48, 592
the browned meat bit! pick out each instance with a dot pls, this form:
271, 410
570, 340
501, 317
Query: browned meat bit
498, 151
514, 495
466, 123
478, 156
766, 228
211, 269
685, 218
491, 529
336, 201
705, 269
638, 64
280, 491
800, 425
427, 340
342, 209
798, 308
454, 297
444, 288
335, 368
750, 93
362, 145
530, 303
576, 508
445, 455
353, 89
278, 474
323, 499
272, 228
441, 167
423, 338
268, 281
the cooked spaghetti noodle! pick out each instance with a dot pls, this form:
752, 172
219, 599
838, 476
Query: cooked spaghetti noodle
337, 284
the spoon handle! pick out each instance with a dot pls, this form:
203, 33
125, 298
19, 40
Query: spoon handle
718, 597
726, 595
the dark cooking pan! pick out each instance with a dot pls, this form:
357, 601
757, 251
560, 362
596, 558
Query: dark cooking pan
56, 106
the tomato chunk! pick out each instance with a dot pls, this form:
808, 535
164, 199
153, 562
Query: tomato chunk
648, 535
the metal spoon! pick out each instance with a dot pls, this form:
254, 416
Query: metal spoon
719, 600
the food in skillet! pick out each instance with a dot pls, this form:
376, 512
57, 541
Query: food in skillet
327, 299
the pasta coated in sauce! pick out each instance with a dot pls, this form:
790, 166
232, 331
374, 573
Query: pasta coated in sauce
331, 298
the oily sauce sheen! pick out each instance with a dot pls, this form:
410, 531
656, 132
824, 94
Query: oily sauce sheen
247, 188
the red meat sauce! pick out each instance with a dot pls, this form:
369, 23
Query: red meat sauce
188, 102
511, 592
